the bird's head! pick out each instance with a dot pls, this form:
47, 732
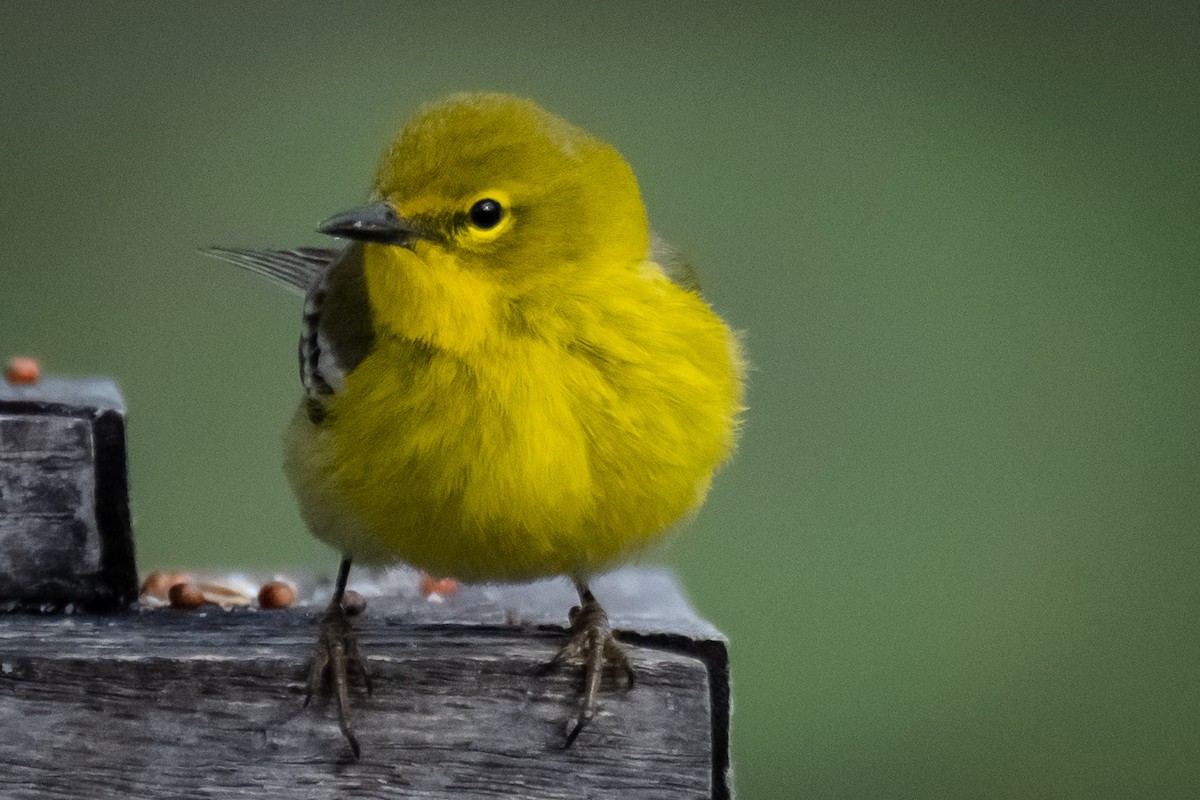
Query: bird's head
488, 206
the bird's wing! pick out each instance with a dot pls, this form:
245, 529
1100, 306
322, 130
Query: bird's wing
677, 268
337, 332
298, 268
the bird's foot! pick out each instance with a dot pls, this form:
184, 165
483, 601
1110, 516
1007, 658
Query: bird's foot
335, 664
593, 643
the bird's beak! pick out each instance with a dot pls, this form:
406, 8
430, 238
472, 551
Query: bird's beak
377, 222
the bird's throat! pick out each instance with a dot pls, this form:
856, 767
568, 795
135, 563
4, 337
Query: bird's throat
423, 294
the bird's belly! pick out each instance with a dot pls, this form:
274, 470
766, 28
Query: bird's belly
487, 474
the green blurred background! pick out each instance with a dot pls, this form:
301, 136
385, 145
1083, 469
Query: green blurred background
957, 552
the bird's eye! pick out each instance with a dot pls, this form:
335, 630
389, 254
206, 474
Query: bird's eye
486, 214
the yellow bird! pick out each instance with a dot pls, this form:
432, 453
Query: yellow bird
506, 376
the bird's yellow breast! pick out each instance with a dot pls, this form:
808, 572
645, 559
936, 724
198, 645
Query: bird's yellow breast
555, 439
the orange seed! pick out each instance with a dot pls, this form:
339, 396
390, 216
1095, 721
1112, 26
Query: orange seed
276, 594
22, 370
185, 595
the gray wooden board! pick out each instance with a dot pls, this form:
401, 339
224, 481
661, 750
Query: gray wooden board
164, 703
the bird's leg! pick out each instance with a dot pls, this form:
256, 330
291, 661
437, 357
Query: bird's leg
337, 658
593, 643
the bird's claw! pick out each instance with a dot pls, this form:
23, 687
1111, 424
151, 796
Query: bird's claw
593, 643
334, 664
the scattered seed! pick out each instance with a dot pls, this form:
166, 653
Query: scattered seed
276, 594
353, 602
185, 596
22, 370
443, 586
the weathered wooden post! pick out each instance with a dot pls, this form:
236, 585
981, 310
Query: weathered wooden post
65, 536
157, 702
